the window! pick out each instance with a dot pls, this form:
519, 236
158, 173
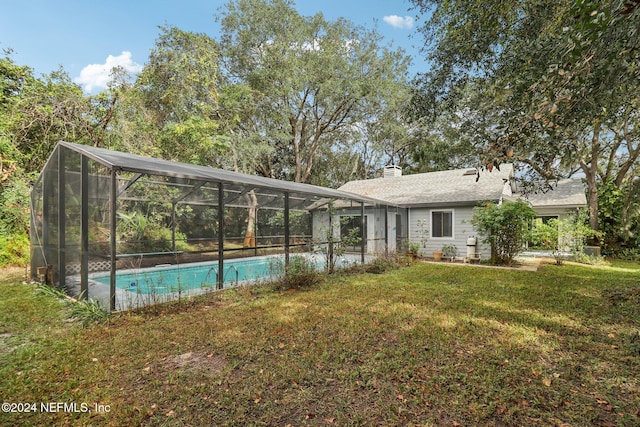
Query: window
441, 223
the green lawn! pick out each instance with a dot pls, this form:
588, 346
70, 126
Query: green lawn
431, 344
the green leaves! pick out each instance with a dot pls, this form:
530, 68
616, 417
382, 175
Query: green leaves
182, 74
555, 83
504, 226
179, 90
316, 79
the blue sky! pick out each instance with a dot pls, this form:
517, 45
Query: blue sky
87, 37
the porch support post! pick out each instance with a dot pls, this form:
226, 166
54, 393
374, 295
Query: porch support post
362, 233
84, 228
173, 228
62, 247
33, 225
220, 235
286, 229
386, 230
46, 216
330, 240
255, 234
113, 198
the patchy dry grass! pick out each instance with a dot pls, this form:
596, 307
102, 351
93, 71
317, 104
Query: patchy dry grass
425, 345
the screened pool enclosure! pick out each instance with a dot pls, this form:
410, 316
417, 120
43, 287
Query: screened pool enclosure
129, 230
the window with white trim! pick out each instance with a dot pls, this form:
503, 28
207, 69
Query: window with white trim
441, 224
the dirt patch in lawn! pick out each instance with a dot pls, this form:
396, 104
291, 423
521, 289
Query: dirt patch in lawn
205, 363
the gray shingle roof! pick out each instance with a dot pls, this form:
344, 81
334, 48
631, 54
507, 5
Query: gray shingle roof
453, 187
459, 187
567, 193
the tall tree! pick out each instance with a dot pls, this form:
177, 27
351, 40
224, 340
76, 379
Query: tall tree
314, 76
36, 113
44, 112
13, 182
381, 137
179, 89
557, 79
12, 79
384, 135
39, 112
134, 126
450, 139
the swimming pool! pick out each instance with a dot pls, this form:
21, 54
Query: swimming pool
166, 279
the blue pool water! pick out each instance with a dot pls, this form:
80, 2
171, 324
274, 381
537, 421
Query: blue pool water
175, 278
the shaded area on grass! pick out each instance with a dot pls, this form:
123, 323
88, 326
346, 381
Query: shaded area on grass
440, 344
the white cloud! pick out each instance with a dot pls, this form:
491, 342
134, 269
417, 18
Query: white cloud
97, 75
399, 22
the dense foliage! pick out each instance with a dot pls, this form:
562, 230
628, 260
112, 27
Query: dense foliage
562, 236
279, 94
317, 80
550, 85
505, 226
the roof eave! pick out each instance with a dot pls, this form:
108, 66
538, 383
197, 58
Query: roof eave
447, 204
568, 206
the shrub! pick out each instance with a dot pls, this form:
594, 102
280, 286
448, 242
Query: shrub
413, 249
301, 272
387, 262
583, 258
578, 232
505, 227
50, 291
449, 251
153, 237
89, 312
14, 217
569, 234
333, 246
547, 236
14, 250
160, 239
14, 202
629, 254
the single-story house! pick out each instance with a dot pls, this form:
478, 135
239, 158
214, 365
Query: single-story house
435, 208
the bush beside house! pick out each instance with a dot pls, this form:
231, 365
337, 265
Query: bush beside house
505, 227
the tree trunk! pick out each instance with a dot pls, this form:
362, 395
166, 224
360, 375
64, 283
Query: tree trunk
592, 191
591, 172
249, 234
